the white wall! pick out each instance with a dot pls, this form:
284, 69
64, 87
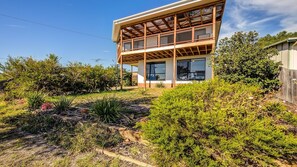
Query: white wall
287, 56
169, 69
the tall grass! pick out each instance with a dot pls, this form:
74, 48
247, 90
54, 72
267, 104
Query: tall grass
108, 109
35, 100
63, 104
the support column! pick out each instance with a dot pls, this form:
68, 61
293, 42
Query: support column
214, 24
174, 53
131, 75
144, 56
121, 60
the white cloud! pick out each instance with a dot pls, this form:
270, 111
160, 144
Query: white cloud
242, 15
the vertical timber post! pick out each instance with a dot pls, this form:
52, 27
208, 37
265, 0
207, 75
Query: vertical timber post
144, 56
214, 23
174, 53
121, 60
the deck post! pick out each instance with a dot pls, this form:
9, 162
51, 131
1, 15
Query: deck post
174, 53
144, 56
214, 23
121, 60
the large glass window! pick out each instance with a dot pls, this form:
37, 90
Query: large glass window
193, 69
156, 71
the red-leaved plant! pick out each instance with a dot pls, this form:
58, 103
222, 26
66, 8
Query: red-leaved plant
46, 106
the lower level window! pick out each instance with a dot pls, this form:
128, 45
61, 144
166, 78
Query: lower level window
193, 69
156, 71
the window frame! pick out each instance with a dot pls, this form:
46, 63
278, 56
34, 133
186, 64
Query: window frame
189, 70
148, 71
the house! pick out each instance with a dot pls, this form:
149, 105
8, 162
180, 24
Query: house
287, 55
171, 44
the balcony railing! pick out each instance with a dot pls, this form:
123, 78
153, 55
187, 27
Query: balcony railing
186, 35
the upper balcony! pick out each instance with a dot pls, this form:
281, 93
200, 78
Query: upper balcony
183, 36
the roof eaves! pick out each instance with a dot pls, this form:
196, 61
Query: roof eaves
293, 39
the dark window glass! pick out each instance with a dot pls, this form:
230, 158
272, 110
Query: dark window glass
156, 71
191, 69
184, 36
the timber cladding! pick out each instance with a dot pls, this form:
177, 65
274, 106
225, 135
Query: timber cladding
289, 85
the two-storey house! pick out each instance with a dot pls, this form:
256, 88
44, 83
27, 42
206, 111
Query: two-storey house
172, 44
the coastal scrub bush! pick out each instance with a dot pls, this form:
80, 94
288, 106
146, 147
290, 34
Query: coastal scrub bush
215, 123
24, 75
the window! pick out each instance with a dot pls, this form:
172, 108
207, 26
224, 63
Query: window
201, 34
138, 44
184, 36
156, 71
127, 46
191, 69
167, 40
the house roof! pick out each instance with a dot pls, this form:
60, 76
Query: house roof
293, 39
156, 12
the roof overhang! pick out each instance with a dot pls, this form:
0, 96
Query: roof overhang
156, 12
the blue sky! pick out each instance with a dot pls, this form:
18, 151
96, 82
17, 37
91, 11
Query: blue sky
19, 38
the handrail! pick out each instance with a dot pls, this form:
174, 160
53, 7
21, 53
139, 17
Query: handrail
160, 35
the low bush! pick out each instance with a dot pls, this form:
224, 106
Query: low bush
215, 123
63, 104
160, 85
108, 109
35, 100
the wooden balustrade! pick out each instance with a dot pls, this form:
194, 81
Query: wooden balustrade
208, 36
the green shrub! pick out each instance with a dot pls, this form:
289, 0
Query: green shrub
108, 109
160, 85
63, 104
35, 100
49, 76
215, 123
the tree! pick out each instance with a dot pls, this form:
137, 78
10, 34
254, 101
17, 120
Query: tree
241, 59
268, 39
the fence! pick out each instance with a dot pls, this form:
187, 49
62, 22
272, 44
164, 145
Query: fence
289, 85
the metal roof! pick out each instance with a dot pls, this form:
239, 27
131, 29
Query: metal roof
293, 39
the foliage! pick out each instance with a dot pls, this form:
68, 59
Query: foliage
46, 106
49, 76
215, 123
35, 100
240, 58
88, 136
108, 109
268, 39
74, 136
160, 85
63, 104
127, 78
